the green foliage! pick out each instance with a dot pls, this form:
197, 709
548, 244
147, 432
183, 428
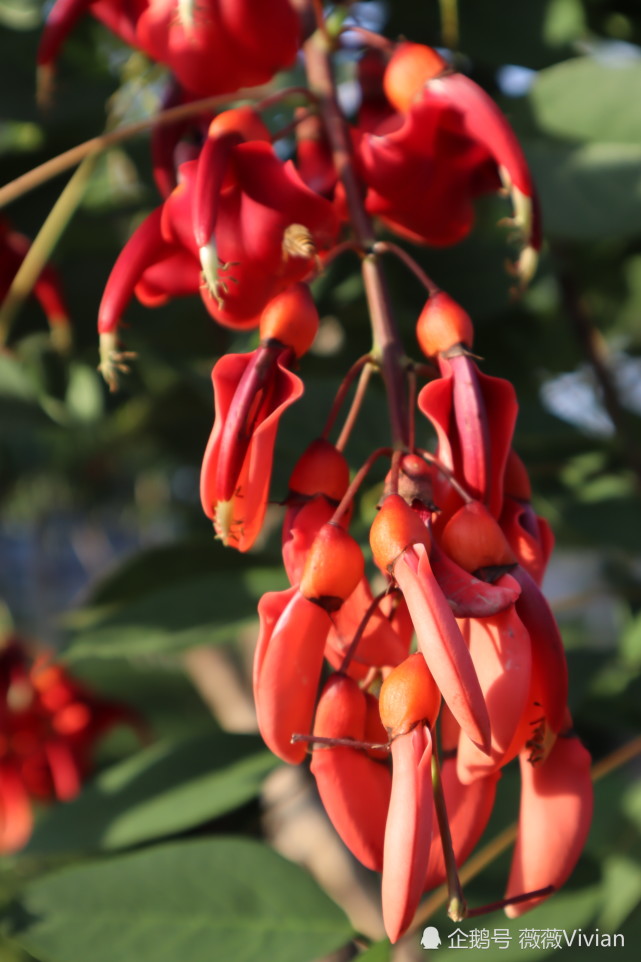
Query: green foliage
227, 898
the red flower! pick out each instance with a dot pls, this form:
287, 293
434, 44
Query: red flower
255, 230
554, 820
212, 46
353, 786
49, 724
448, 144
251, 392
47, 291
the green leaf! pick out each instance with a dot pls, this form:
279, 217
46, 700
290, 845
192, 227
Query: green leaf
621, 891
161, 791
212, 609
219, 898
590, 192
589, 100
379, 952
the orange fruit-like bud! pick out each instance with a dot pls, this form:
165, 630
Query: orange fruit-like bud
442, 324
321, 469
395, 528
474, 539
409, 69
334, 566
242, 120
408, 696
516, 482
291, 318
341, 711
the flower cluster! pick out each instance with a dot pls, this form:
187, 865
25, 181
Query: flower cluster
49, 726
407, 746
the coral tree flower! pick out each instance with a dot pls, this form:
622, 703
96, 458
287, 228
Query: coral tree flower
294, 625
212, 46
251, 392
239, 228
354, 787
399, 545
49, 725
448, 144
47, 289
409, 703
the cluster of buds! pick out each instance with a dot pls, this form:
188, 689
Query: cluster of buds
49, 726
407, 748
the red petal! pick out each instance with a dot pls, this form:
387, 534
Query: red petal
554, 820
549, 667
467, 596
16, 820
408, 832
501, 652
442, 645
287, 668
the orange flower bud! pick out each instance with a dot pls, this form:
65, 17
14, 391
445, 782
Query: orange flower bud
322, 469
442, 324
474, 539
291, 319
408, 696
242, 120
410, 67
395, 528
334, 566
414, 480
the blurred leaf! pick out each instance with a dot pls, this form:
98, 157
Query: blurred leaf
379, 952
85, 394
220, 898
161, 791
590, 192
621, 891
587, 99
114, 182
205, 610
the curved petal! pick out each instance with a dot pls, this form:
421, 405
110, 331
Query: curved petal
501, 652
554, 821
467, 596
442, 645
408, 832
287, 669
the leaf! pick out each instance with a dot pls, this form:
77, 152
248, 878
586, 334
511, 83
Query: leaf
589, 100
212, 609
379, 952
161, 791
621, 891
589, 192
219, 898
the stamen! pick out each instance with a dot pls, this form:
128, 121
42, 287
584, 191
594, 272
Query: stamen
298, 242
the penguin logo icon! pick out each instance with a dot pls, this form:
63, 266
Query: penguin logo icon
431, 939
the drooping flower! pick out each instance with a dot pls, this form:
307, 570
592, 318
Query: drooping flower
47, 288
399, 545
49, 726
259, 231
354, 787
251, 392
212, 46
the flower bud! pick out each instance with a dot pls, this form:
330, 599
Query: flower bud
291, 319
341, 711
242, 120
474, 539
334, 566
442, 324
409, 69
395, 528
408, 696
321, 469
414, 481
